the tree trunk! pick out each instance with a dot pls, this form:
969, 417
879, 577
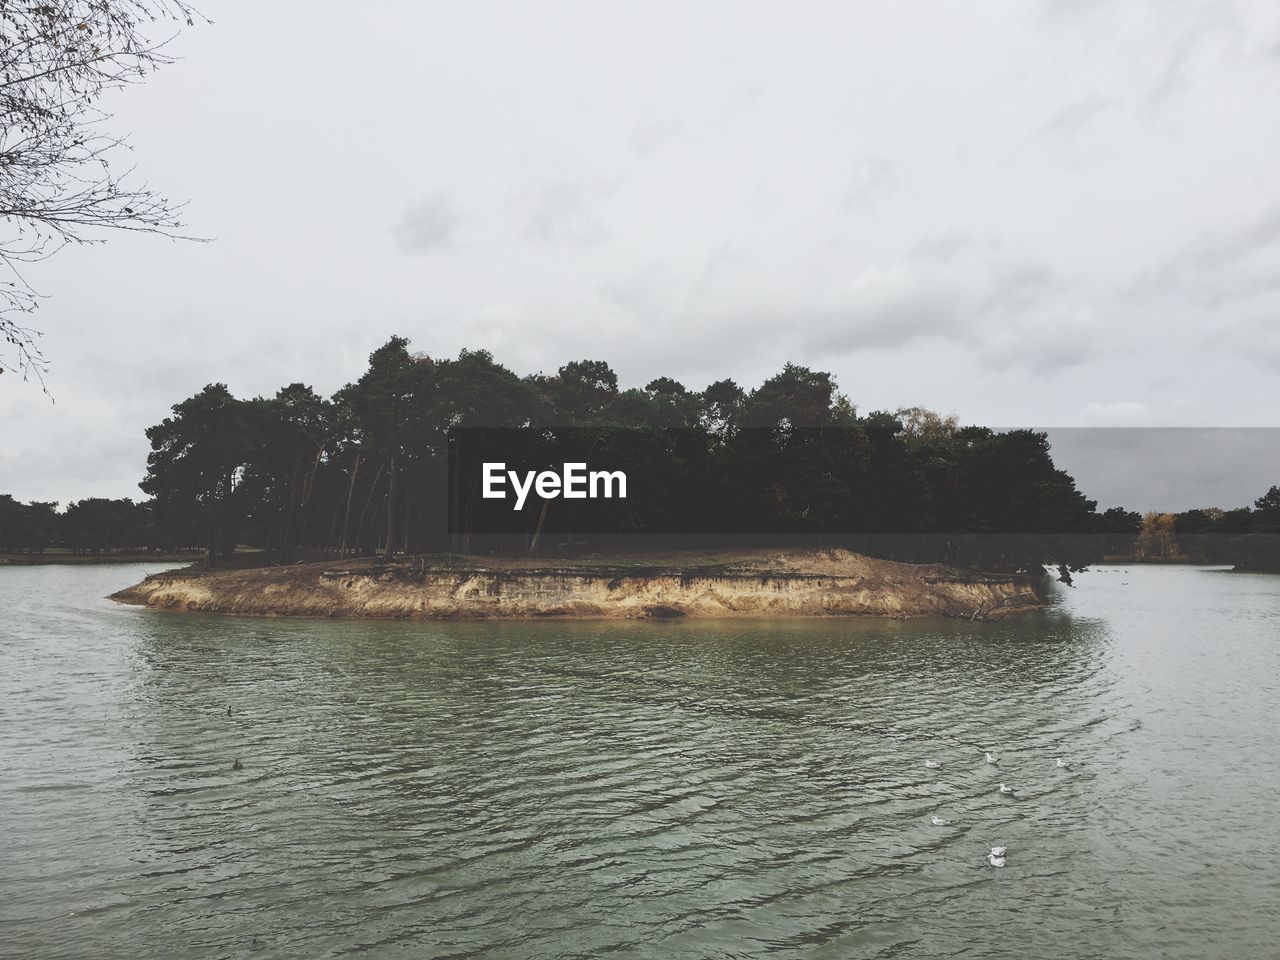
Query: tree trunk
391, 510
304, 508
210, 531
291, 513
272, 521
346, 517
407, 483
373, 488
537, 531
228, 519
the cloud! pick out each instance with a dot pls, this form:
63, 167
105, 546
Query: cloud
1029, 321
883, 310
1044, 345
1062, 10
563, 212
950, 245
1116, 413
708, 194
98, 450
1073, 118
651, 137
1015, 288
429, 225
1229, 264
1172, 80
737, 303
873, 180
1255, 338
651, 292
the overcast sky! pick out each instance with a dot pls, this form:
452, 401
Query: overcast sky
1022, 212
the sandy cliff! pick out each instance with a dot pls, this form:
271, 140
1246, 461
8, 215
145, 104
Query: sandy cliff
746, 584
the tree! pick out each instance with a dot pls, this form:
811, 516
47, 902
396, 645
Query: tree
1156, 540
26, 527
96, 525
582, 390
1119, 528
796, 397
387, 404
1267, 511
920, 425
671, 404
287, 436
59, 181
722, 404
792, 459
195, 455
476, 391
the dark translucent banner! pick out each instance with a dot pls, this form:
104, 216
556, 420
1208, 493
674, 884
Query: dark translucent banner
964, 491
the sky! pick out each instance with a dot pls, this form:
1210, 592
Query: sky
1022, 212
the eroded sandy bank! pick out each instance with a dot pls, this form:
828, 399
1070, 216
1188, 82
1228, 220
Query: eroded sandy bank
747, 584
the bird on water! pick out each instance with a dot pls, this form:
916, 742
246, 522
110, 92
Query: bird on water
991, 758
237, 765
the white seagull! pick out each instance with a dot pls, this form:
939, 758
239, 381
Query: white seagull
1062, 764
932, 764
994, 860
998, 851
938, 821
991, 758
1004, 789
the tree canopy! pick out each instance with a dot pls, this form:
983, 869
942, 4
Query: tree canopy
366, 471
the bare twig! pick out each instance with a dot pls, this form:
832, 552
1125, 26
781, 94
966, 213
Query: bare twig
60, 182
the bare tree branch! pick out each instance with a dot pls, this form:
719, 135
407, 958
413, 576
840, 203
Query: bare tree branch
60, 180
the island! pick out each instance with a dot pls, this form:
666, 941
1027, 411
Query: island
757, 582
454, 487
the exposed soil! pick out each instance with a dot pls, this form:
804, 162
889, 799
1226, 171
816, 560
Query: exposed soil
741, 583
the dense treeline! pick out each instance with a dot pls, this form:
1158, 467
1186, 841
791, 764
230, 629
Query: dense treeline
365, 471
92, 526
1248, 538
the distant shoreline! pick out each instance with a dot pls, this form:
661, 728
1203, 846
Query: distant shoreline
92, 559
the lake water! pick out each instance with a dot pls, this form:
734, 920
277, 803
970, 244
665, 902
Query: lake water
662, 790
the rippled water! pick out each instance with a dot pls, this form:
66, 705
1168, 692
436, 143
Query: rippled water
650, 790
